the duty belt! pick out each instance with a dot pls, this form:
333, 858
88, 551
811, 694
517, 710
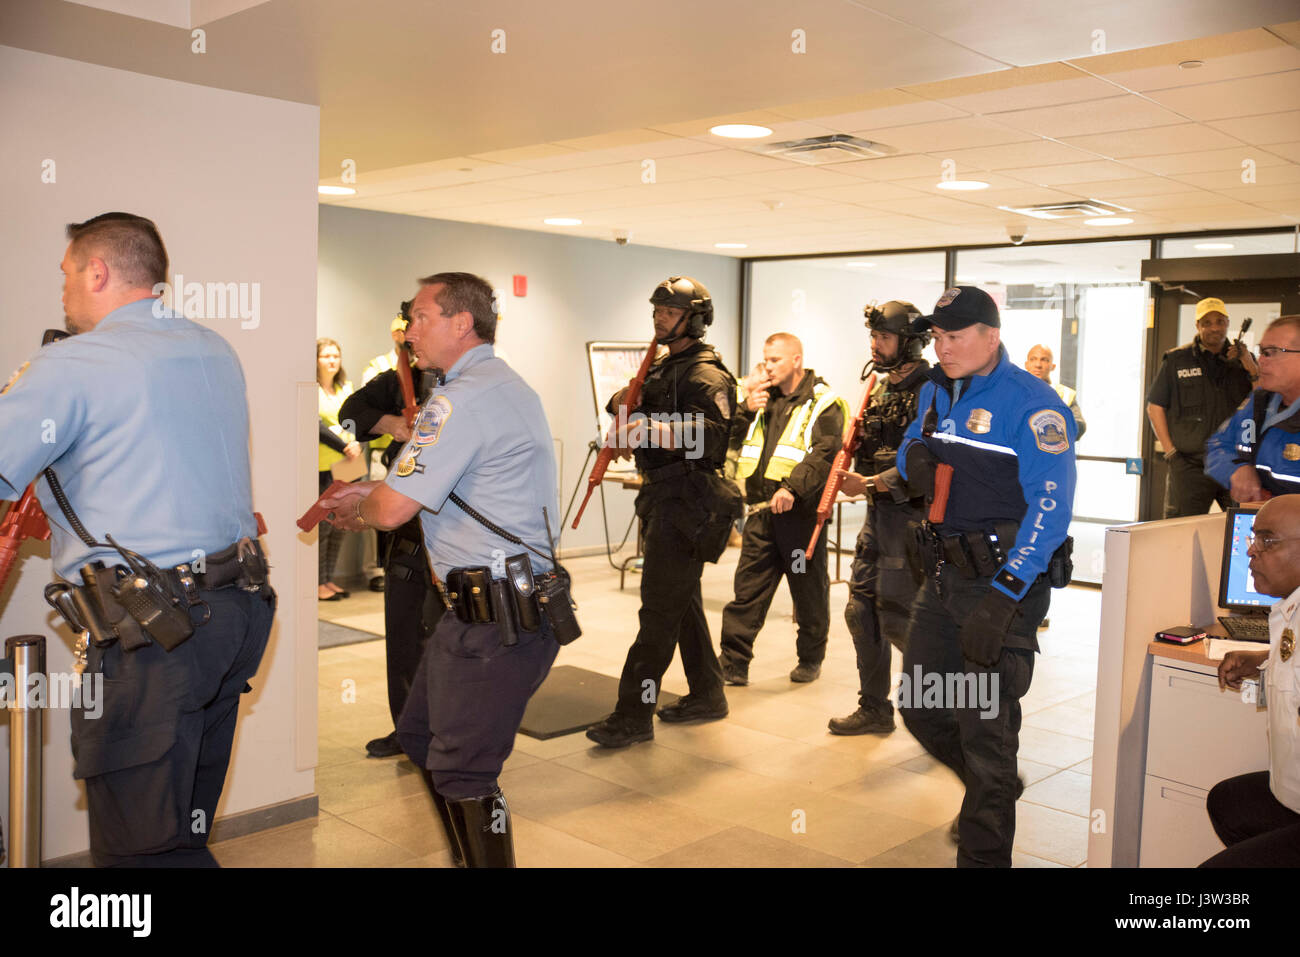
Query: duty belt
476, 598
674, 470
973, 554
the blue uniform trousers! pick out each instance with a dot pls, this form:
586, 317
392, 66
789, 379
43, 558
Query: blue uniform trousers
979, 748
155, 760
467, 700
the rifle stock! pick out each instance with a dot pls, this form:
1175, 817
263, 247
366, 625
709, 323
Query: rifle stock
25, 519
843, 459
631, 399
409, 408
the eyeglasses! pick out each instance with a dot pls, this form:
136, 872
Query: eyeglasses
1268, 352
1260, 545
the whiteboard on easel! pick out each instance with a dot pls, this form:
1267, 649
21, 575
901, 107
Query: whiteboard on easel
612, 366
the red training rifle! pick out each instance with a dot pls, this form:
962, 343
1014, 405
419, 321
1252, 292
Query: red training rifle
843, 460
631, 399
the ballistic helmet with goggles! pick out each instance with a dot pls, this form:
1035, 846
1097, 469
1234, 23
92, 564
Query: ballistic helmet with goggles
897, 316
683, 292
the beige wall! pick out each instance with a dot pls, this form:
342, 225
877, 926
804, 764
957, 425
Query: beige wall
230, 180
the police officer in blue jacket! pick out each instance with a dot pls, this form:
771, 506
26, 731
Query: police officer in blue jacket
1009, 440
1257, 449
140, 419
481, 438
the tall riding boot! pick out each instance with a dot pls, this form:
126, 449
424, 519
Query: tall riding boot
483, 826
444, 813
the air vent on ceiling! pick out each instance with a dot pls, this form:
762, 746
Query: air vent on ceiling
1069, 208
820, 150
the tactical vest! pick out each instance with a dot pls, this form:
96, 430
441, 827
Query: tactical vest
889, 413
795, 441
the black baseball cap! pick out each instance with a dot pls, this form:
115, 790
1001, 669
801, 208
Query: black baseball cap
959, 307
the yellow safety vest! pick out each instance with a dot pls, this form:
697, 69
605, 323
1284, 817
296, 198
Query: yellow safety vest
792, 448
329, 414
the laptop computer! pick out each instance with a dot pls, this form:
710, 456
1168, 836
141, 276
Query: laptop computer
1236, 584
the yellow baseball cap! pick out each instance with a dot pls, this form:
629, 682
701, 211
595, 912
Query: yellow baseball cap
1210, 305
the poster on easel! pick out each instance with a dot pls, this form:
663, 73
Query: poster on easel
612, 366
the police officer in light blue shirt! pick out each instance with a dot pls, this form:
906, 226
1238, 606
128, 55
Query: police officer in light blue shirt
481, 442
141, 419
1009, 440
1256, 452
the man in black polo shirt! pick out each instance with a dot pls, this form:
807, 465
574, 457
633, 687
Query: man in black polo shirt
1198, 386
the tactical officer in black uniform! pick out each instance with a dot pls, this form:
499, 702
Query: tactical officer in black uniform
1198, 386
412, 606
686, 508
886, 572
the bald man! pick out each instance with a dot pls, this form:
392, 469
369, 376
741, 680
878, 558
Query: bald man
795, 428
1258, 815
1040, 363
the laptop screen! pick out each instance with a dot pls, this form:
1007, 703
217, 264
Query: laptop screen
1236, 584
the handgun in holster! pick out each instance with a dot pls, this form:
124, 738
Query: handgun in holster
1060, 567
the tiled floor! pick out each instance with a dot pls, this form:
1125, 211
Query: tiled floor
768, 786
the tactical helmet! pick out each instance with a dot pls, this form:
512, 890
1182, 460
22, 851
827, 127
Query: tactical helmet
896, 317
683, 292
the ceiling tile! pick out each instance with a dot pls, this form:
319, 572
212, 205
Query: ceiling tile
872, 100
1290, 151
1190, 136
1015, 155
1233, 98
1257, 194
522, 154
946, 135
890, 167
1117, 189
797, 178
1263, 130
1198, 161
1107, 115
1188, 199
725, 162
1076, 173
1016, 89
863, 193
578, 180
1246, 53
1231, 179
904, 114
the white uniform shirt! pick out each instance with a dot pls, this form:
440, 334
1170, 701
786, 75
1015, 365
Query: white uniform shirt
1282, 684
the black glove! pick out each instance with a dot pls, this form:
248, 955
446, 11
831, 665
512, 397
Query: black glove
986, 629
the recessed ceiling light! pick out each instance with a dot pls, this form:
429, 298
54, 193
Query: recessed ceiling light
731, 245
562, 221
1108, 221
961, 184
1191, 64
1214, 246
335, 190
740, 131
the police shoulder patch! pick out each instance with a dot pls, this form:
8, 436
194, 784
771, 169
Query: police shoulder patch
429, 423
1048, 427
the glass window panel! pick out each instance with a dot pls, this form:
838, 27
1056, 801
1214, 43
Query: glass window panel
1105, 491
1254, 245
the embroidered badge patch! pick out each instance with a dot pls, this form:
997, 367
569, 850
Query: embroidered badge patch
429, 423
948, 296
1049, 431
1291, 452
980, 421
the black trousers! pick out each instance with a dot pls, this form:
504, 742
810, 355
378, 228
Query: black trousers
772, 548
671, 616
1260, 830
979, 744
882, 586
469, 695
1189, 491
155, 760
412, 610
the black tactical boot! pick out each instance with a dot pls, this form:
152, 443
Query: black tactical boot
444, 814
483, 826
864, 721
694, 708
618, 731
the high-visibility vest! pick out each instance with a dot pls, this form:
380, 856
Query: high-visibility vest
792, 448
1066, 394
330, 403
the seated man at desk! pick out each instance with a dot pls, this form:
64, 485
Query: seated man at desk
1258, 815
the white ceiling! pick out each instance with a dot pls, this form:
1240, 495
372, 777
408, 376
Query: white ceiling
567, 120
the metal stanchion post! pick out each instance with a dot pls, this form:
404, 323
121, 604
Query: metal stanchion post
27, 652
